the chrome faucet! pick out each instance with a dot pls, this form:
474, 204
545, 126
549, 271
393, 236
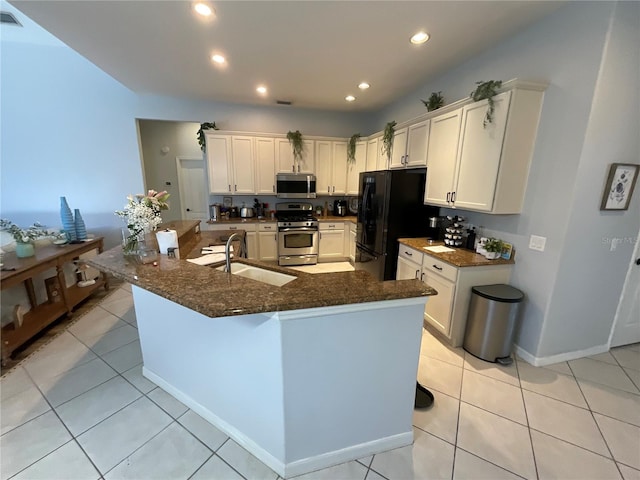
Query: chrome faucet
227, 252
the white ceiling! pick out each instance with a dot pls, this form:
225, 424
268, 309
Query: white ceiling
312, 53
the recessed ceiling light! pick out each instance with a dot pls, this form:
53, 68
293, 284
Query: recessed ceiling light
261, 89
419, 38
203, 9
217, 58
363, 86
349, 98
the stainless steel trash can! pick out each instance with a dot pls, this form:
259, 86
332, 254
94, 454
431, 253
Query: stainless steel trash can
492, 321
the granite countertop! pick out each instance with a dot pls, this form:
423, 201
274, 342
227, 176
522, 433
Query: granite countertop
333, 218
460, 257
215, 294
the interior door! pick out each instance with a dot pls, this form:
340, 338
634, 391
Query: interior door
192, 183
626, 328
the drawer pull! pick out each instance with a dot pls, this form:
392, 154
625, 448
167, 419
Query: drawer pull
408, 253
422, 276
417, 272
437, 268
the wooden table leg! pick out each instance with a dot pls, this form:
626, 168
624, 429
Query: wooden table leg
63, 288
31, 293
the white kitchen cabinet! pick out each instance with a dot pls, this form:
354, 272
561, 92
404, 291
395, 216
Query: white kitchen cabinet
372, 154
265, 152
352, 242
250, 234
331, 167
447, 311
331, 244
354, 169
287, 164
442, 154
268, 241
243, 165
484, 168
410, 146
219, 165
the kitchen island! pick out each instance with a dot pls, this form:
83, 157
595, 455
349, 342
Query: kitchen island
310, 374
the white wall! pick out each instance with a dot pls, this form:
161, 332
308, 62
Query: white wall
568, 168
67, 129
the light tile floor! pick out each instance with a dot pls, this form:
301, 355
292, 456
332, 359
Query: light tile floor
80, 409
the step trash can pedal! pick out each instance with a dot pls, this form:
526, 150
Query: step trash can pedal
492, 321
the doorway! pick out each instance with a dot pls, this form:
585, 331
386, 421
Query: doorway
192, 184
626, 326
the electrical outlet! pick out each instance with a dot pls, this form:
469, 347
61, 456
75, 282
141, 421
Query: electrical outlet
537, 243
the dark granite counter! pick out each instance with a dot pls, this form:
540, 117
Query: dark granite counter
216, 294
460, 257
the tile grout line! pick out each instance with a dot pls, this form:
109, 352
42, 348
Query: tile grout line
526, 415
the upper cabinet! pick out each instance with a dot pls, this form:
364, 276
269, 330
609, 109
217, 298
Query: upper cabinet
219, 163
243, 165
373, 150
484, 168
265, 151
355, 168
287, 164
331, 167
410, 146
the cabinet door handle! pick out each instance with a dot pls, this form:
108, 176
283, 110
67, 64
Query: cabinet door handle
235, 187
328, 189
448, 195
417, 272
298, 168
334, 189
453, 197
422, 276
273, 188
229, 187
437, 267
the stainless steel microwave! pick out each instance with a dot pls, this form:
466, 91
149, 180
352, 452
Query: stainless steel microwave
295, 185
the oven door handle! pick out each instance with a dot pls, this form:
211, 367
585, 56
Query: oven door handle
298, 229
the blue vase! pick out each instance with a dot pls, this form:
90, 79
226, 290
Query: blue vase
80, 229
66, 217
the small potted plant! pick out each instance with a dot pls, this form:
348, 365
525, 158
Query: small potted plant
387, 138
25, 238
351, 148
295, 139
201, 139
493, 247
435, 101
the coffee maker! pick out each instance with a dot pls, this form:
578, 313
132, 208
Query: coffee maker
340, 208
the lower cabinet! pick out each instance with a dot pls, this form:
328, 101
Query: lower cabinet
331, 244
268, 241
447, 311
352, 241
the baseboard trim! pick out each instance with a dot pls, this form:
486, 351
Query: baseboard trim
294, 468
561, 357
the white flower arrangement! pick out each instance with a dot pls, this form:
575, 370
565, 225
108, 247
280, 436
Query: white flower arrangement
142, 214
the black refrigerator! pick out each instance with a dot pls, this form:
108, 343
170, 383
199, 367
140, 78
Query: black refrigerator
390, 207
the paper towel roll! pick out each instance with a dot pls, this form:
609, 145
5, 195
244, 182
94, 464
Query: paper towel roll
167, 239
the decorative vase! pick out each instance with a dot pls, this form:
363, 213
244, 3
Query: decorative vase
491, 255
24, 250
131, 242
80, 229
66, 216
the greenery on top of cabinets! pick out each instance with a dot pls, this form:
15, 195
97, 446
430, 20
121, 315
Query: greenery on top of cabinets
295, 139
351, 148
435, 101
387, 138
203, 127
486, 90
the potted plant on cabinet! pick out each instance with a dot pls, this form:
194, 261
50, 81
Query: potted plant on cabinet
351, 148
387, 138
435, 101
203, 127
493, 247
295, 139
487, 90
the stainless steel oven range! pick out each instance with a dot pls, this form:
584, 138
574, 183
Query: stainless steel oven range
297, 234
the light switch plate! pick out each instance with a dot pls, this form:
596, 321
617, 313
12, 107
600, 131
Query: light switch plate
537, 243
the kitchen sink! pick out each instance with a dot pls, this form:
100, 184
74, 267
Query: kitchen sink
276, 279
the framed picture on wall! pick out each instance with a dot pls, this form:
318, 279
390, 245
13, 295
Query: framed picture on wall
226, 201
619, 187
